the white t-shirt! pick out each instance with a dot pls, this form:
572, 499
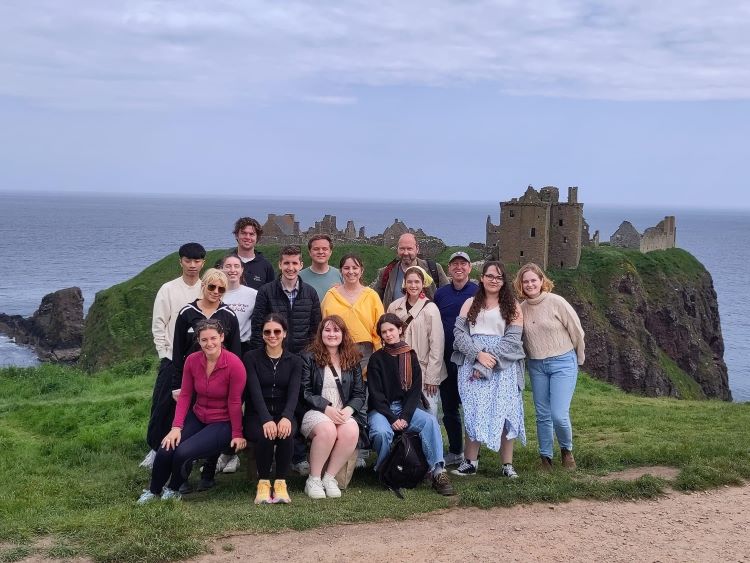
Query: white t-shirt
242, 302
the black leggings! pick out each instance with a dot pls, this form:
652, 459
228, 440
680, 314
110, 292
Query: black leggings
264, 450
199, 440
162, 405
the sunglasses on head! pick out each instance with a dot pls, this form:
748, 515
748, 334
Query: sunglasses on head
270, 331
216, 287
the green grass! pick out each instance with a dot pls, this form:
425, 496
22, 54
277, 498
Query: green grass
71, 444
118, 325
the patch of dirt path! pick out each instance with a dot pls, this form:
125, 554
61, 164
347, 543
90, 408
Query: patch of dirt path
706, 526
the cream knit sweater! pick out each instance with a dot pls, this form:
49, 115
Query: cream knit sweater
551, 327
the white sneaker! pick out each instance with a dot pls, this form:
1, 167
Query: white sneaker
331, 486
228, 463
302, 468
360, 463
509, 472
146, 496
148, 461
314, 488
453, 459
169, 494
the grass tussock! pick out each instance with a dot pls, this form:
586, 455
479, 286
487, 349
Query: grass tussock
72, 442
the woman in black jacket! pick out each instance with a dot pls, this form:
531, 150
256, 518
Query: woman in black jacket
333, 391
271, 395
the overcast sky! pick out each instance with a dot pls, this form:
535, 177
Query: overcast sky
634, 102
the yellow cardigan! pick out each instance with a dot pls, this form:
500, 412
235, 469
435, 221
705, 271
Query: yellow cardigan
360, 318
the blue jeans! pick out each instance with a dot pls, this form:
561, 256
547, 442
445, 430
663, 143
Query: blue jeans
381, 435
553, 381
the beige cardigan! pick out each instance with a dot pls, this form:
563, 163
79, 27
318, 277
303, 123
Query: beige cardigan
425, 335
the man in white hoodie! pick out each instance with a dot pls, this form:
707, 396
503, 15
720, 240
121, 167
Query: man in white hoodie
171, 297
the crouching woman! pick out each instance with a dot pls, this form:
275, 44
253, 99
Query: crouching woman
333, 394
216, 378
394, 381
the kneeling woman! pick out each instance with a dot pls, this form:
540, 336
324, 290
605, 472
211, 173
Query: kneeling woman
217, 379
273, 383
333, 391
394, 380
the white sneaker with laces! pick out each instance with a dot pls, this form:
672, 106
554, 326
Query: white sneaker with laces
146, 496
302, 468
509, 472
453, 459
169, 494
314, 488
148, 461
232, 463
331, 487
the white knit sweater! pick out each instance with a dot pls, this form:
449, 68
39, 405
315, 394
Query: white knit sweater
551, 327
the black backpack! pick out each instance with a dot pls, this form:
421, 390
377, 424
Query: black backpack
406, 466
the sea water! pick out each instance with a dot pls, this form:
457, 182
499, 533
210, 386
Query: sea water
48, 242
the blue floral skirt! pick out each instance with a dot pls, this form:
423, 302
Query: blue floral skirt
491, 405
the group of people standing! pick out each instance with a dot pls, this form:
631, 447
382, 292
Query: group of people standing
327, 366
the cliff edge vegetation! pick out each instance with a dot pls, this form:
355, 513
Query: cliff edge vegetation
118, 324
651, 320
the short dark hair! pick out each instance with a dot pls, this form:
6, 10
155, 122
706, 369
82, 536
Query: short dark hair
392, 318
319, 237
290, 250
193, 251
243, 222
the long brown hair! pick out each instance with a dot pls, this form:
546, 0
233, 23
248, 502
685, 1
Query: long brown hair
507, 297
349, 354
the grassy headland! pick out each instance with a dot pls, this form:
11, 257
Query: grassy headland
71, 445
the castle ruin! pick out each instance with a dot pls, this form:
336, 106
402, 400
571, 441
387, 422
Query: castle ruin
538, 227
660, 237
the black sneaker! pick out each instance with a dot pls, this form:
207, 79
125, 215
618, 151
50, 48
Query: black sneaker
205, 484
186, 488
465, 469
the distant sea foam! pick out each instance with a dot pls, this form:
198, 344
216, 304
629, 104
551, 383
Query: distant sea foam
48, 242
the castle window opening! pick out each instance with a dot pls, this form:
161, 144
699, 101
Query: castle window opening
565, 239
522, 253
511, 213
533, 231
562, 264
561, 222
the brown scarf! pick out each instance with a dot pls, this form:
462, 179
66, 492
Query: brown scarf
403, 352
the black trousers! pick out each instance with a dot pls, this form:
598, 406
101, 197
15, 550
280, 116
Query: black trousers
451, 402
162, 405
267, 450
199, 440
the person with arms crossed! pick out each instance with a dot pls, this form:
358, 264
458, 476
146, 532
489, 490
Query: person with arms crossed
256, 270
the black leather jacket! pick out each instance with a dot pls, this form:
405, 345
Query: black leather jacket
312, 387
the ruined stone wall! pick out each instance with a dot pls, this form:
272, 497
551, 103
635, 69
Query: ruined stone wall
566, 226
626, 236
524, 233
660, 237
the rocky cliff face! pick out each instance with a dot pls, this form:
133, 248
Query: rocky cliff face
651, 321
55, 330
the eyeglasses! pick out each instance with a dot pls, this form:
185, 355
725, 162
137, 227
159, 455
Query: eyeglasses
215, 287
269, 332
493, 278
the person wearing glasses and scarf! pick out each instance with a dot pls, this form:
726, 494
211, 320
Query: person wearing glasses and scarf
394, 382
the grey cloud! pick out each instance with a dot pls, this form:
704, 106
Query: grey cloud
89, 53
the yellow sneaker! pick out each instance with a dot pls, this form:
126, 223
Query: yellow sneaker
263, 494
280, 495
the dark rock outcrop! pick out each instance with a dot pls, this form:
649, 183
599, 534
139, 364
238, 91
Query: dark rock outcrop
652, 323
55, 330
